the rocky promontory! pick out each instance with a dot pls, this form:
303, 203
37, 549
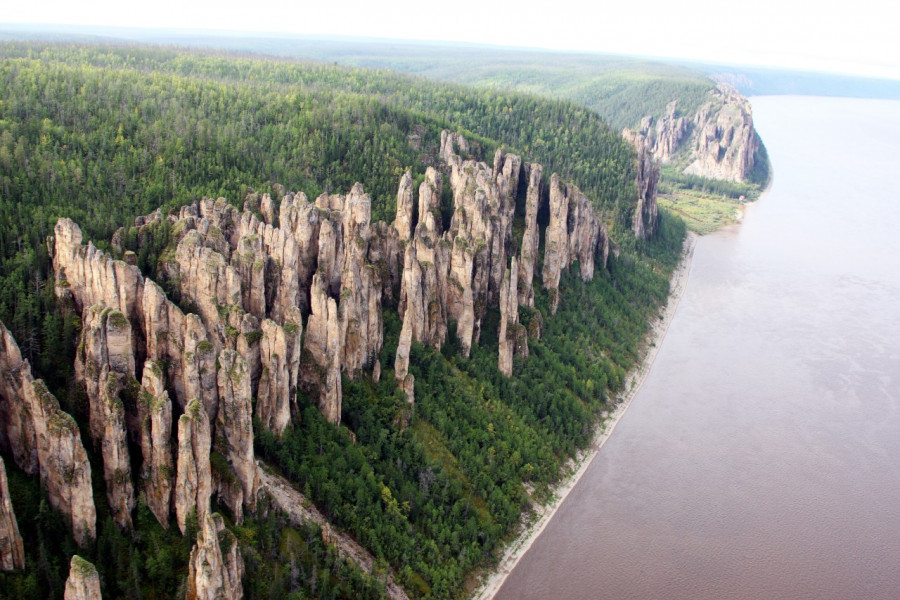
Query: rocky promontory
717, 142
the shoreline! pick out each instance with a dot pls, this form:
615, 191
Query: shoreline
578, 465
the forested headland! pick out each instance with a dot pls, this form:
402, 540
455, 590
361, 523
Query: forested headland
104, 134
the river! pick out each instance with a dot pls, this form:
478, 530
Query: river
761, 459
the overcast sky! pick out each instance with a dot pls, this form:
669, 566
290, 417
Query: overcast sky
859, 37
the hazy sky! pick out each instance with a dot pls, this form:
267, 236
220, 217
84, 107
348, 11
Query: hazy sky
859, 36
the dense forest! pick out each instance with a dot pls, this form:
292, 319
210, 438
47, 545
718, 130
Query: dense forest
102, 134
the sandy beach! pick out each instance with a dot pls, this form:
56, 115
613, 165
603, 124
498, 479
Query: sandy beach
579, 464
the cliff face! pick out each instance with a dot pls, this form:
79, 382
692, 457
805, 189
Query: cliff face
646, 212
242, 284
193, 479
216, 567
83, 582
718, 141
105, 365
531, 237
725, 143
234, 429
47, 440
574, 233
155, 418
12, 550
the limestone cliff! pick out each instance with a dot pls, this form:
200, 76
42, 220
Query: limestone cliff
512, 337
320, 368
12, 550
725, 142
83, 582
216, 567
404, 222
105, 365
234, 429
65, 470
422, 295
90, 277
155, 419
193, 479
531, 236
17, 434
718, 141
575, 233
46, 439
646, 213
280, 352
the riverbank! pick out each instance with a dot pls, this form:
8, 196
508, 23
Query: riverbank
579, 464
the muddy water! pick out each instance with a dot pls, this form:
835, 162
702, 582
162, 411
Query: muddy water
762, 457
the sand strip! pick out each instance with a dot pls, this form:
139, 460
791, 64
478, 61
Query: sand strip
579, 464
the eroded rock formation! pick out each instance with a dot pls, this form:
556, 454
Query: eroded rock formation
216, 567
512, 337
718, 141
280, 352
83, 582
725, 143
646, 212
531, 237
46, 439
17, 434
12, 550
105, 365
193, 479
155, 419
320, 368
234, 429
65, 470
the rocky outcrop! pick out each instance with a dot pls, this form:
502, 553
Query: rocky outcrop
725, 142
587, 236
83, 582
90, 277
155, 421
271, 257
531, 237
480, 234
646, 212
182, 342
17, 434
556, 240
360, 290
105, 365
405, 220
208, 282
280, 354
302, 220
47, 439
718, 141
64, 466
575, 233
12, 550
666, 137
425, 263
320, 367
512, 337
234, 428
193, 479
216, 567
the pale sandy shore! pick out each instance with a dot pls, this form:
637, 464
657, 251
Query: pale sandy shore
577, 467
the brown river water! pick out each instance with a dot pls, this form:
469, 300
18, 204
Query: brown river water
761, 459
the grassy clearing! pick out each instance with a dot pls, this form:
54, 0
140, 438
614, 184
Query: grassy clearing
702, 212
